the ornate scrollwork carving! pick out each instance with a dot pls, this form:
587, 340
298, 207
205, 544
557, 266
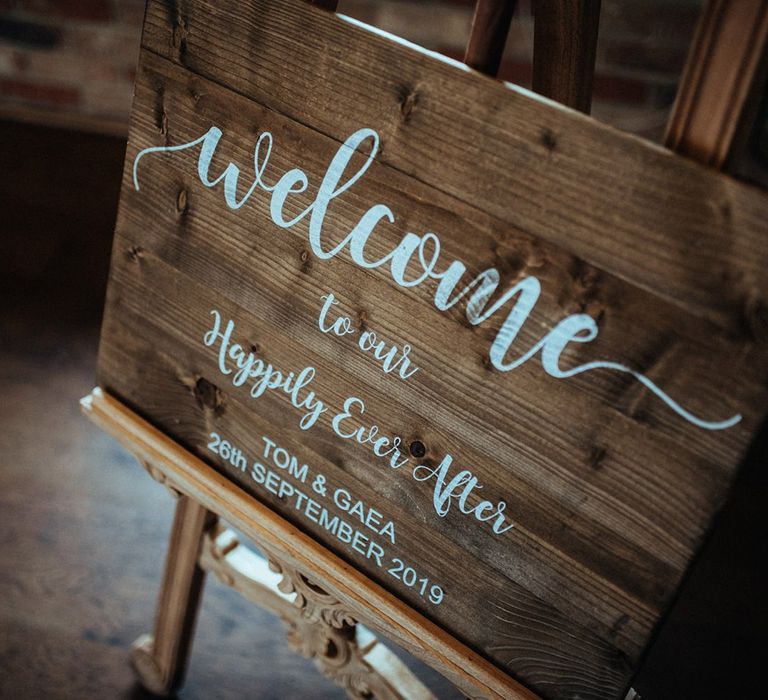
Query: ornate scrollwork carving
318, 626
315, 603
334, 651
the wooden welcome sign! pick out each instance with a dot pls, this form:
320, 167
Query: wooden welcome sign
498, 357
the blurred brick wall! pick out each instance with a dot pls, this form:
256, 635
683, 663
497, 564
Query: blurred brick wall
72, 61
69, 61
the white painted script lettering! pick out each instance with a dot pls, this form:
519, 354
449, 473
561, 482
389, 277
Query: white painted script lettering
265, 377
413, 250
390, 357
346, 427
459, 488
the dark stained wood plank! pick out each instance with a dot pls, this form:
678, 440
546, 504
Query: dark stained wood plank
682, 232
488, 34
67, 634
620, 306
564, 49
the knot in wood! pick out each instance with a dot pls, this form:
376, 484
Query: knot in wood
408, 100
596, 457
181, 201
208, 395
418, 449
306, 260
134, 253
548, 139
179, 32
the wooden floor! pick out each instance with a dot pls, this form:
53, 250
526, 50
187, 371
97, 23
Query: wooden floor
83, 529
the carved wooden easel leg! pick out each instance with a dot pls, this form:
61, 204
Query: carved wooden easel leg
160, 660
318, 626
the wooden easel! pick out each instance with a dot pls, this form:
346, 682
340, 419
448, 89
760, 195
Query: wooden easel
319, 598
330, 610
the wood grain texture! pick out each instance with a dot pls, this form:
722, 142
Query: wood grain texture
85, 536
564, 49
611, 492
488, 34
722, 65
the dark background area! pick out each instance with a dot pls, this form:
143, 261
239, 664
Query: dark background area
84, 530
